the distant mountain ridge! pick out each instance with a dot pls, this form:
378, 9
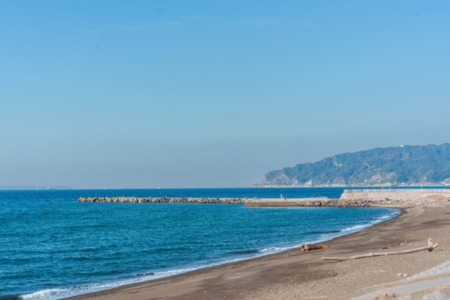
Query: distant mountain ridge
404, 165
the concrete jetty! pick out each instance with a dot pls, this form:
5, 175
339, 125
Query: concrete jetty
349, 198
306, 202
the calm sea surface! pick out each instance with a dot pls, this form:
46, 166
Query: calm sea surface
52, 247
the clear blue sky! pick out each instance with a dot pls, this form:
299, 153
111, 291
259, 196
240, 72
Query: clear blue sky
213, 93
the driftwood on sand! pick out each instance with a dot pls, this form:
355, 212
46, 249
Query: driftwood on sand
309, 247
429, 248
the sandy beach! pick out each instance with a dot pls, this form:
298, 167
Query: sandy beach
304, 275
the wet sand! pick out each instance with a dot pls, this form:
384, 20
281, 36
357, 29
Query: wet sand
304, 275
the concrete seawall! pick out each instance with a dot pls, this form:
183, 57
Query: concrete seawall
306, 202
396, 195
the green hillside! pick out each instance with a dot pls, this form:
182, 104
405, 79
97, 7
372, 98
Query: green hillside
405, 165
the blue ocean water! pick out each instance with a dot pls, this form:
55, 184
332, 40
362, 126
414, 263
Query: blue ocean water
52, 247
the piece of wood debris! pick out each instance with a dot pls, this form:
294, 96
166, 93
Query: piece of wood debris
429, 248
309, 247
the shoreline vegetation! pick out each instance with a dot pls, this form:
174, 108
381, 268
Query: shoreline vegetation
297, 274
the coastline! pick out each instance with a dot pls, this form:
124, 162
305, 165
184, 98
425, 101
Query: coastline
293, 274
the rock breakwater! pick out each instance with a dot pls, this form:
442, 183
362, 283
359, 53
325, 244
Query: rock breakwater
162, 200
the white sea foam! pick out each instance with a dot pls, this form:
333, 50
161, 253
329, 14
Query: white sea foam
271, 250
355, 228
44, 294
386, 217
360, 227
54, 294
